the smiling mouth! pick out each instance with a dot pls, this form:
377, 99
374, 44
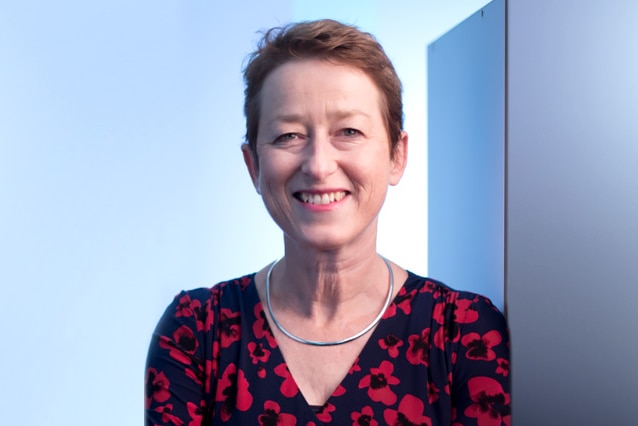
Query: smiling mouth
325, 198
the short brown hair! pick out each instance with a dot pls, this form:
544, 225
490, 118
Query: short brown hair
328, 40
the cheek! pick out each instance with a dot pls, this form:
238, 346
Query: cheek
272, 179
267, 173
276, 166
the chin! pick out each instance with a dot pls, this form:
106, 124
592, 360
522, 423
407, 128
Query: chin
331, 239
318, 244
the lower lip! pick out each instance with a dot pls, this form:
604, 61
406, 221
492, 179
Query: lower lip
322, 207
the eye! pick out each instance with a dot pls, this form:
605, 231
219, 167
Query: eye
286, 137
350, 132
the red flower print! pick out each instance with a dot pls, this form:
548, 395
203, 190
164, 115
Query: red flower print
229, 327
392, 343
410, 412
202, 319
273, 417
196, 412
261, 372
439, 338
339, 391
451, 314
232, 391
203, 314
202, 371
167, 415
324, 413
212, 365
403, 300
258, 353
433, 393
378, 383
182, 346
195, 375
418, 352
364, 418
491, 405
460, 311
480, 347
245, 282
466, 312
355, 367
390, 312
261, 328
503, 367
156, 387
185, 306
214, 293
288, 388
428, 287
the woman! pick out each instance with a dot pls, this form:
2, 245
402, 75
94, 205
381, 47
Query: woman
332, 332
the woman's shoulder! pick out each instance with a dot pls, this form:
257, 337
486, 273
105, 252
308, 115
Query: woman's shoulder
232, 286
448, 302
227, 293
197, 311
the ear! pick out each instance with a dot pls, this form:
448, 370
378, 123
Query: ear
400, 159
250, 158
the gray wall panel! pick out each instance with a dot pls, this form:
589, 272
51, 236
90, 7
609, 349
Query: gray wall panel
572, 211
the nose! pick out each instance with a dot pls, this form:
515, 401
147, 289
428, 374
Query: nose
320, 158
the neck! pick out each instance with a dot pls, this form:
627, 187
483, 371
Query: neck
330, 276
329, 286
348, 339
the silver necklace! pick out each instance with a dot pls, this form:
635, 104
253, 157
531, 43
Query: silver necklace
374, 322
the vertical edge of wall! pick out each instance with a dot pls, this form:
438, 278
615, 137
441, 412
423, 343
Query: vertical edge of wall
466, 113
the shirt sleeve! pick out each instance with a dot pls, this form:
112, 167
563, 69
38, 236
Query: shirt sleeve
481, 365
179, 364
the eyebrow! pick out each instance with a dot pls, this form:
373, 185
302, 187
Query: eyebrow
339, 114
348, 113
286, 118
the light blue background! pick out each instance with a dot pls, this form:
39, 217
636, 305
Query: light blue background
466, 154
121, 180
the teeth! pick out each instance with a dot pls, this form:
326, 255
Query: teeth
325, 198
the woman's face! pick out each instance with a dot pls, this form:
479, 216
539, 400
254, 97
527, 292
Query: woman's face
323, 155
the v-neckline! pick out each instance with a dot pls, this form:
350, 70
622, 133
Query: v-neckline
366, 347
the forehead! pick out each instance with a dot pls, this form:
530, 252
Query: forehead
312, 83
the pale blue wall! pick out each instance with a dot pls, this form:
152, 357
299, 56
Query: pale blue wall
121, 180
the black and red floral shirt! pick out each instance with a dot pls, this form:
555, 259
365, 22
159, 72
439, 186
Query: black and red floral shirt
438, 357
